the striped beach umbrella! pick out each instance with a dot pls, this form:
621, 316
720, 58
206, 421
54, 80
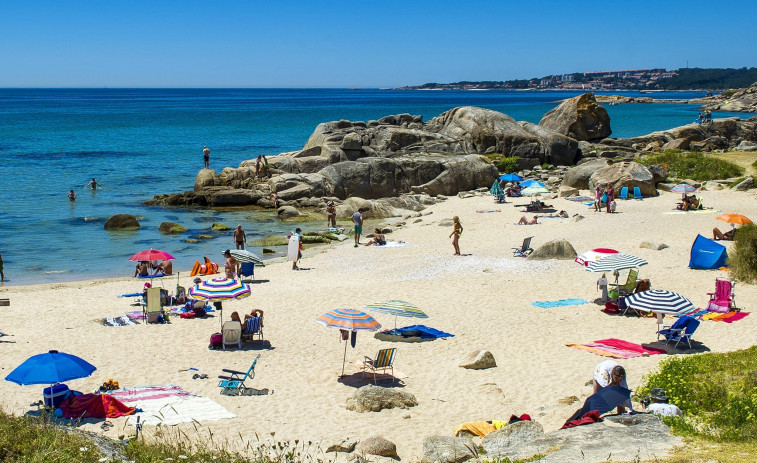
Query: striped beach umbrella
534, 190
683, 188
220, 289
659, 301
398, 309
348, 320
243, 255
615, 262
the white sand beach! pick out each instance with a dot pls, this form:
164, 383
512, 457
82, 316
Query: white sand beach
483, 297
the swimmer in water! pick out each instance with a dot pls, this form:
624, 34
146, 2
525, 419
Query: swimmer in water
72, 195
93, 184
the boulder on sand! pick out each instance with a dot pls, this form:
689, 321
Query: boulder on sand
479, 360
578, 176
555, 249
372, 398
580, 118
628, 174
448, 449
378, 445
122, 222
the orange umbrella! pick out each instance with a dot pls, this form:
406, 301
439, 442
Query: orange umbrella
734, 219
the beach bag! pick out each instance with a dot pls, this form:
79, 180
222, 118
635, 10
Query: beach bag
611, 308
216, 341
604, 198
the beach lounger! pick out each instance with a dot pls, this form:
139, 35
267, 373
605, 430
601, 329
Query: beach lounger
525, 248
252, 327
637, 193
681, 330
723, 299
628, 287
233, 382
384, 361
231, 332
623, 193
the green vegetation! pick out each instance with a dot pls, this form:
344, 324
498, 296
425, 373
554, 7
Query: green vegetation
271, 240
754, 164
504, 164
695, 166
712, 79
743, 259
717, 394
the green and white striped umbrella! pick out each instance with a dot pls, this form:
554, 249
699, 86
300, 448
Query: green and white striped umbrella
398, 309
534, 190
615, 262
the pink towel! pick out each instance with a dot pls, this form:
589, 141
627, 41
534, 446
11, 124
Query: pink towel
737, 316
629, 346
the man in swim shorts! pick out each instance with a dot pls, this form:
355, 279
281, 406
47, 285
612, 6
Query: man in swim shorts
239, 237
206, 156
357, 219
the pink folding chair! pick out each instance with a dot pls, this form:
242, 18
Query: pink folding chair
723, 299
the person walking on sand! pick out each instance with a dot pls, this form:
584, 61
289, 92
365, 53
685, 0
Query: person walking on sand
457, 230
71, 195
240, 238
330, 214
357, 219
298, 234
610, 197
597, 199
93, 185
206, 156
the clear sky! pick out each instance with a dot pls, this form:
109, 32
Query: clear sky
384, 43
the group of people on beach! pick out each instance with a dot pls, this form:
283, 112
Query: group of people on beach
606, 198
164, 267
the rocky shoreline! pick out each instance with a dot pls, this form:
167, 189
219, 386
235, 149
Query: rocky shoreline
736, 101
399, 164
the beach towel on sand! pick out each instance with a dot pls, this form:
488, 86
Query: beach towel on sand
560, 303
94, 406
616, 348
170, 405
123, 320
423, 331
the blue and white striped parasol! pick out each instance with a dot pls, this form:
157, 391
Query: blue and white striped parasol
659, 301
683, 188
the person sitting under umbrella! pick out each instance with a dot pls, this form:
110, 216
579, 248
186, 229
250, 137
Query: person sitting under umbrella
232, 264
141, 269
718, 235
165, 267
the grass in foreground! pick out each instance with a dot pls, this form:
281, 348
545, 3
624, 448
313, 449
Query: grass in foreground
695, 166
717, 394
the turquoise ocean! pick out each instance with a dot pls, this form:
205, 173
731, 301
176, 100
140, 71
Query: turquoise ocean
141, 142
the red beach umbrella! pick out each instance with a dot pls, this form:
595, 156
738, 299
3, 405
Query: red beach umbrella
151, 254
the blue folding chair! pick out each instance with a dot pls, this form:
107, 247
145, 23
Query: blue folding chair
623, 193
233, 383
681, 330
637, 193
247, 269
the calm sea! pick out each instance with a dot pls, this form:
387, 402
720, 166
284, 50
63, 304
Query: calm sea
138, 143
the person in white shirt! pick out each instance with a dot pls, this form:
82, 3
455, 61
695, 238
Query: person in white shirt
659, 404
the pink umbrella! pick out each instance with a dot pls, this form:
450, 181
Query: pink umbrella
151, 254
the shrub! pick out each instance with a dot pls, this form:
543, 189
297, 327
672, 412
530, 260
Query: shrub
717, 394
504, 164
695, 166
743, 259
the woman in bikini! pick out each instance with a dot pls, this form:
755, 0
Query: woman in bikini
457, 230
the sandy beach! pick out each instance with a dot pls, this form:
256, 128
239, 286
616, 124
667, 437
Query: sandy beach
483, 297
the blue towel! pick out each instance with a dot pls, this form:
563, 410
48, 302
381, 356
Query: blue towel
131, 295
157, 275
561, 302
423, 331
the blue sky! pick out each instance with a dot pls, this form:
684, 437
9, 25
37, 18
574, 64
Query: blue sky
134, 43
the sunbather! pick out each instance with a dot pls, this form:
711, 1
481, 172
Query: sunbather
524, 221
254, 313
141, 269
378, 238
718, 235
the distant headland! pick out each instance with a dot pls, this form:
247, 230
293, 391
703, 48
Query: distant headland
710, 79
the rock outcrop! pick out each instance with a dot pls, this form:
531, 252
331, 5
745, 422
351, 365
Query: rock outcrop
170, 228
479, 360
122, 222
555, 249
744, 100
372, 398
580, 118
578, 176
377, 445
447, 449
624, 174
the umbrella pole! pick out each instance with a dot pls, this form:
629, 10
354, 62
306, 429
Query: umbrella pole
344, 359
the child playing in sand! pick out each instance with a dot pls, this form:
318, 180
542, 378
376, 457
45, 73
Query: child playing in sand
457, 230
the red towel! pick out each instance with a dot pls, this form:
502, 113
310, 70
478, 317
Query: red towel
94, 406
629, 346
733, 318
588, 418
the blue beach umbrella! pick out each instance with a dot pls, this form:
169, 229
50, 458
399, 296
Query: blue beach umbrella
50, 368
532, 183
511, 177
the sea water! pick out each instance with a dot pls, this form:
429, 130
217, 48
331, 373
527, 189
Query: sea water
141, 142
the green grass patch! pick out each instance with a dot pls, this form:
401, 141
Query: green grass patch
695, 166
754, 164
504, 164
717, 394
743, 259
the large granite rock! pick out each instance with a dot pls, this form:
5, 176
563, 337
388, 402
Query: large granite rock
478, 360
628, 174
744, 100
447, 449
122, 222
555, 249
372, 398
744, 185
377, 445
578, 176
580, 118
639, 437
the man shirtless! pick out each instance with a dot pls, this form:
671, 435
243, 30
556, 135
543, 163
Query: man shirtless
231, 266
206, 156
93, 184
165, 267
239, 237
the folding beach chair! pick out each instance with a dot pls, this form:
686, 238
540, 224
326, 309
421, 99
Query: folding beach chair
681, 330
723, 299
233, 383
623, 193
153, 308
637, 193
247, 269
231, 333
384, 361
252, 327
525, 248
626, 288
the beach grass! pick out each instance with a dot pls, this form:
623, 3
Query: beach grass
743, 259
695, 166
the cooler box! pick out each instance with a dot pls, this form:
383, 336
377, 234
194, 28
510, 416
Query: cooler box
55, 395
248, 269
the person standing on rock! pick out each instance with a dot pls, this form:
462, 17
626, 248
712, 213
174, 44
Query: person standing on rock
206, 156
240, 238
357, 219
258, 166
